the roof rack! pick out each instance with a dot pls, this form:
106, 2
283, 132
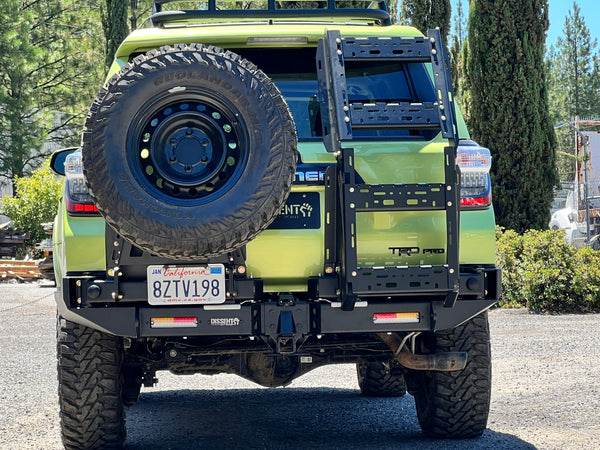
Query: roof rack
377, 12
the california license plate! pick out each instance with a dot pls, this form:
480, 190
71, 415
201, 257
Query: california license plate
179, 285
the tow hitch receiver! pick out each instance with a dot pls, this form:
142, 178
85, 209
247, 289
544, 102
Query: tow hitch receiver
285, 323
441, 362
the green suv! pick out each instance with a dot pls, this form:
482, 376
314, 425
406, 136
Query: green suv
266, 190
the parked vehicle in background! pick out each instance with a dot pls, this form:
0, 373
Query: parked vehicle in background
579, 214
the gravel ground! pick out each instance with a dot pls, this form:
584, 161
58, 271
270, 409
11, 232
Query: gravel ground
545, 394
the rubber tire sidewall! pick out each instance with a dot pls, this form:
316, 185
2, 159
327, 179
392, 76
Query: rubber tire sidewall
456, 404
236, 216
89, 387
376, 380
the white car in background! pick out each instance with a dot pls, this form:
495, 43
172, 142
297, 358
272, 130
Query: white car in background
566, 219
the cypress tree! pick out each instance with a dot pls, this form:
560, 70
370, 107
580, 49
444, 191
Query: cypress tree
456, 49
426, 14
114, 22
508, 107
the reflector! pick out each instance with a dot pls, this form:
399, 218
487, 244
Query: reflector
407, 317
173, 322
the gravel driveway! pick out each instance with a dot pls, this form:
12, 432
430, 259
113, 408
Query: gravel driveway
546, 394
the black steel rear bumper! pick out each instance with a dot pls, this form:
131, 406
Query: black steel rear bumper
128, 313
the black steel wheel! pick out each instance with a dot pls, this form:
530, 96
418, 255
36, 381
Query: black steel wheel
189, 151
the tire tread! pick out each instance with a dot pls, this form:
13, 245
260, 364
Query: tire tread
89, 387
456, 404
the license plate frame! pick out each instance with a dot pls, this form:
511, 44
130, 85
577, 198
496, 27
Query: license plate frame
186, 285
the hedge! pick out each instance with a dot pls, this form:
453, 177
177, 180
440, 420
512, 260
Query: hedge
541, 271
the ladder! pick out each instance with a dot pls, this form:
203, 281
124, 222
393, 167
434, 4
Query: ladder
345, 196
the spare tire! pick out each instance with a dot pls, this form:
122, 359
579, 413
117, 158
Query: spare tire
189, 151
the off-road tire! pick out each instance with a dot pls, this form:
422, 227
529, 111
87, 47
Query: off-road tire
189, 151
89, 387
456, 404
376, 380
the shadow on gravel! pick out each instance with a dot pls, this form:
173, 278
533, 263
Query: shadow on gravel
289, 418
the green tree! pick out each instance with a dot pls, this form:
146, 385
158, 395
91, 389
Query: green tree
35, 201
574, 69
457, 39
48, 74
427, 14
508, 107
115, 26
574, 84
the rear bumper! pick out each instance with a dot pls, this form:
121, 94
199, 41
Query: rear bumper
128, 314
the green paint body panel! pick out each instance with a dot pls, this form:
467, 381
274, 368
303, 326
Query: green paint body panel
79, 243
285, 259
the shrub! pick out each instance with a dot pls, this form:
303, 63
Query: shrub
35, 201
541, 271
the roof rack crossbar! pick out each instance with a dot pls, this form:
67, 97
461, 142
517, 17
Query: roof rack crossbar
377, 11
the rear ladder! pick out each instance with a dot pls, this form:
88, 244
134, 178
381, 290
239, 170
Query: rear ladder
345, 197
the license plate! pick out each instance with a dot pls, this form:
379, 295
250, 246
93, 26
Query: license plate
180, 285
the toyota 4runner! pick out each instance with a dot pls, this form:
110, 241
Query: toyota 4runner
263, 190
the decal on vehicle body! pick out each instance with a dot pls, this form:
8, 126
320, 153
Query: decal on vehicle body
301, 211
225, 321
409, 251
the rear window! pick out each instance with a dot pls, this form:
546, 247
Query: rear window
294, 73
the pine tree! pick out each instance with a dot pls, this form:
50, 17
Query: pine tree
574, 71
427, 14
508, 107
48, 73
114, 22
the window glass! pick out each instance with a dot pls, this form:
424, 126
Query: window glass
294, 73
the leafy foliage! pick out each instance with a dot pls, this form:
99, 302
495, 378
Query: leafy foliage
427, 14
508, 107
114, 23
48, 76
541, 271
574, 67
457, 42
35, 202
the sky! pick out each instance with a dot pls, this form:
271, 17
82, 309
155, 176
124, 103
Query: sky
559, 9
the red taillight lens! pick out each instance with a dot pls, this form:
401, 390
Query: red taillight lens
81, 208
476, 202
475, 183
77, 199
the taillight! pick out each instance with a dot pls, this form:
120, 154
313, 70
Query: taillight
475, 182
78, 199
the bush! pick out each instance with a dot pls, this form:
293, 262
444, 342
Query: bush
541, 271
35, 202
